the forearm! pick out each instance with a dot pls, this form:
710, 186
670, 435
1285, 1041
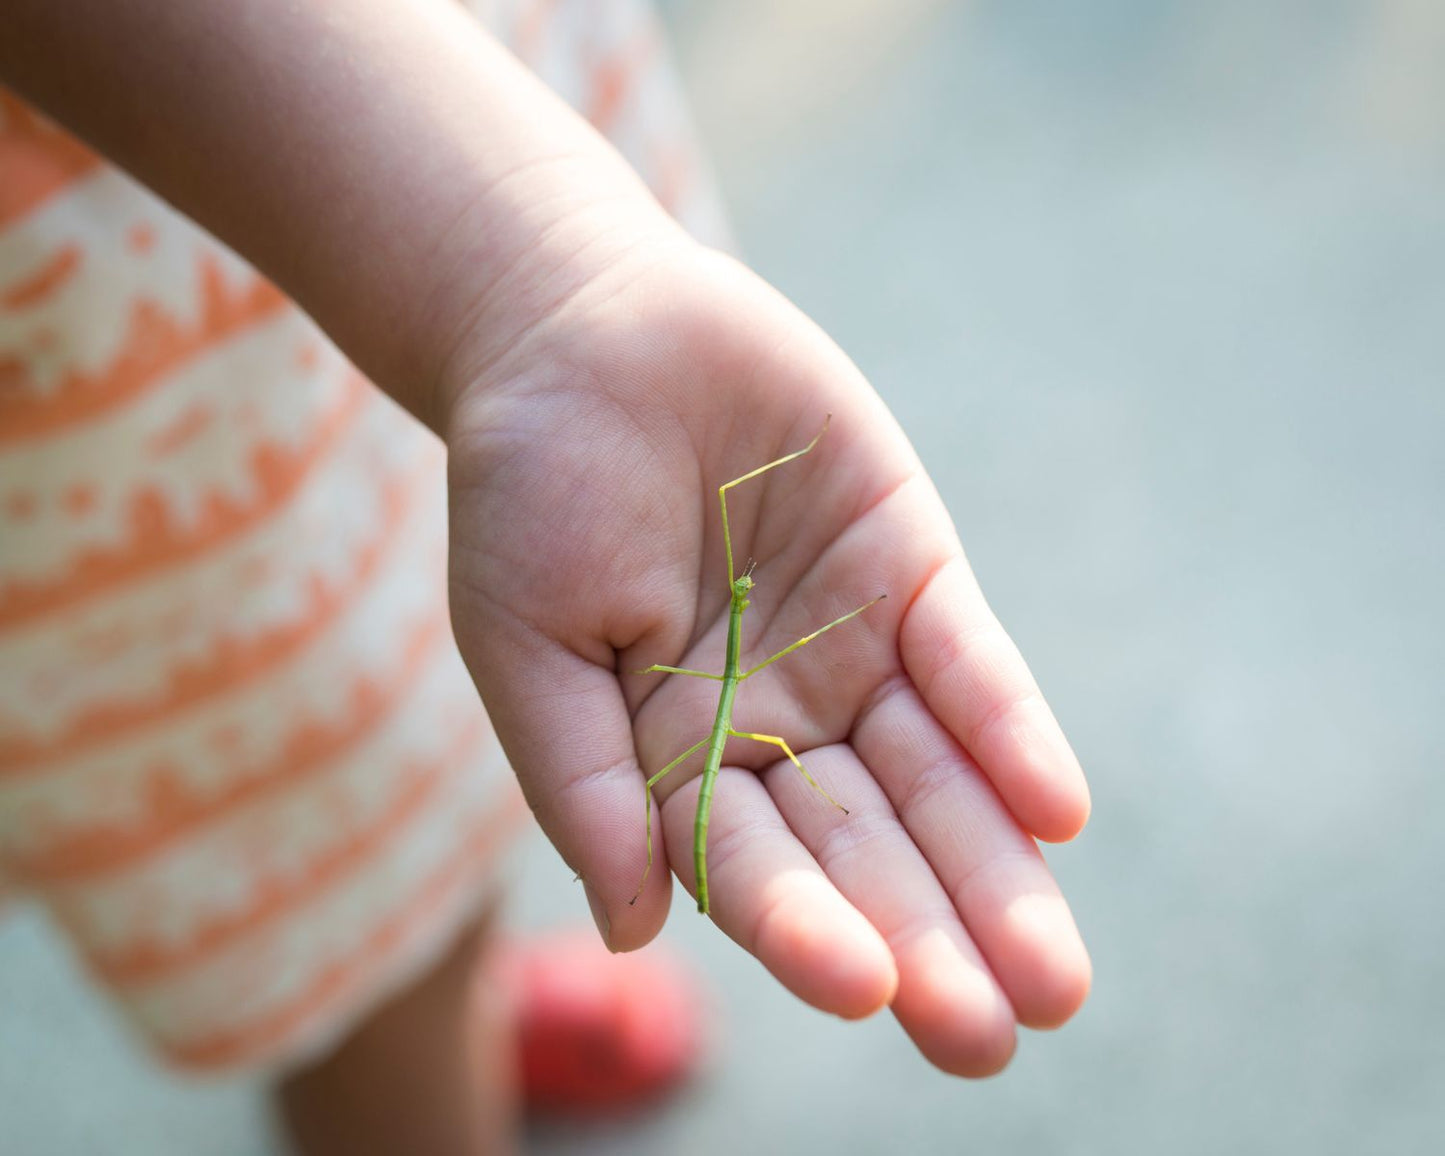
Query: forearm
386, 163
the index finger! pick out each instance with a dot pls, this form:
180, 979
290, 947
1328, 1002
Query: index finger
976, 683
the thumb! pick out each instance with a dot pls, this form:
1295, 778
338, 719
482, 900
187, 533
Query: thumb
564, 725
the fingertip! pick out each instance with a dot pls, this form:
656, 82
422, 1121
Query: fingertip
953, 1010
978, 1059
1039, 776
826, 953
1066, 815
1052, 972
1062, 996
635, 921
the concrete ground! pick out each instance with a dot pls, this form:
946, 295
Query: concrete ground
1158, 289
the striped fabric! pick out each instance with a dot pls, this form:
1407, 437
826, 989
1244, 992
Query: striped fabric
240, 760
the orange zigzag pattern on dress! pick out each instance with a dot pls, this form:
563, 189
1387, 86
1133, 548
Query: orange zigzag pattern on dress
232, 661
155, 541
273, 898
530, 31
155, 345
251, 1040
38, 158
44, 282
615, 80
173, 808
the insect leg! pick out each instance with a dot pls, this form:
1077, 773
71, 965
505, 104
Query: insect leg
723, 489
807, 638
652, 782
679, 670
787, 750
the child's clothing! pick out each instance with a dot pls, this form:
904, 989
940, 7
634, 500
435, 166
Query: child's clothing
240, 760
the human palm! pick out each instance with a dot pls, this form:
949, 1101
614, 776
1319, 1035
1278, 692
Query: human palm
587, 544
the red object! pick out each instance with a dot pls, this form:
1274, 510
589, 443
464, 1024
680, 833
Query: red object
597, 1032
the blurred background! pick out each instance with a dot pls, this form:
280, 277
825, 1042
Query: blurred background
1158, 290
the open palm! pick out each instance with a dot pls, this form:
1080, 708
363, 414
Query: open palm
587, 544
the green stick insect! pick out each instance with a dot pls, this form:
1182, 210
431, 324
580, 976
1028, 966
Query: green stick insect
722, 726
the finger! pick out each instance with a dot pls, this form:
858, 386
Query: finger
974, 679
771, 897
948, 1001
564, 725
991, 870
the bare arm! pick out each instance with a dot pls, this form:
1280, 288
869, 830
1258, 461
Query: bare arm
365, 154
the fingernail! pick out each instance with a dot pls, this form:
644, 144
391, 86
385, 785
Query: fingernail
599, 913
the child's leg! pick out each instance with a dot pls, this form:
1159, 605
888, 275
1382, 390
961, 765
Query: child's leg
430, 1071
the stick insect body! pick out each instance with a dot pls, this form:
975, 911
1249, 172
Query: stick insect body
740, 585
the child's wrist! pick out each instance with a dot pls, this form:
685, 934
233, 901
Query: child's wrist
575, 230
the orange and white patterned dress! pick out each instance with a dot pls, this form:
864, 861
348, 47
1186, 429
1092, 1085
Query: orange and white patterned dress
241, 762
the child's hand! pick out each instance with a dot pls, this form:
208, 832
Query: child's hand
586, 544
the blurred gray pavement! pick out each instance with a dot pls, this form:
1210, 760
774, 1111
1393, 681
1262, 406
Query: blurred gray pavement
1158, 290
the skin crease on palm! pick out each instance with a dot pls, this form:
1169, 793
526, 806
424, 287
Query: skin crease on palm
586, 455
